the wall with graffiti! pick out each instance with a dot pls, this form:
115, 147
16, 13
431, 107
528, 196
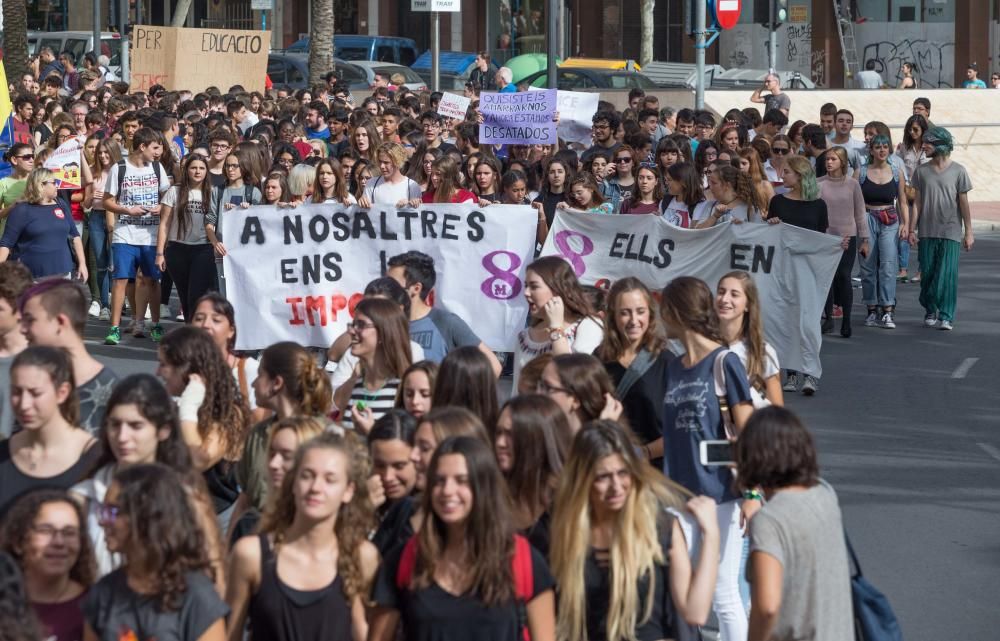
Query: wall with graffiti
746, 47
929, 46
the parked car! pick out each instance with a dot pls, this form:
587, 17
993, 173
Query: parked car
292, 71
400, 51
454, 68
79, 42
410, 78
577, 78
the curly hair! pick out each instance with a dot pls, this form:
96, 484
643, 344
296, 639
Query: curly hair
20, 518
17, 618
354, 518
742, 185
307, 385
162, 544
224, 410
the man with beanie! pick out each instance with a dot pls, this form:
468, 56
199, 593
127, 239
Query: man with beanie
941, 215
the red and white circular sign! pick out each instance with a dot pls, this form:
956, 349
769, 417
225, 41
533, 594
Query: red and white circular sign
727, 13
59, 213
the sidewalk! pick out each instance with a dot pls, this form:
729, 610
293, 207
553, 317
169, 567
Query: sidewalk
985, 216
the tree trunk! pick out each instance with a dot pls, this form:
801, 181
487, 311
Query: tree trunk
181, 13
321, 41
15, 40
646, 32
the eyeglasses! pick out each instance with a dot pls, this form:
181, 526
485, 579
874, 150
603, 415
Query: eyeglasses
781, 151
604, 126
26, 157
228, 166
544, 388
359, 326
108, 513
624, 159
220, 145
49, 532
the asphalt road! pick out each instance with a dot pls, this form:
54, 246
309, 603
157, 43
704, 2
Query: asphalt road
909, 435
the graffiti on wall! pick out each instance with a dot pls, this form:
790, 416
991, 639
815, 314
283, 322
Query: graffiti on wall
932, 60
817, 68
739, 55
798, 49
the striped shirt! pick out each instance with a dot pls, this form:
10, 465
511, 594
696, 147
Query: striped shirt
380, 401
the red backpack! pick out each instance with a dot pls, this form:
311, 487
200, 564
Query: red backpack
524, 582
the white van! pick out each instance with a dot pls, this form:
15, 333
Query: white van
79, 42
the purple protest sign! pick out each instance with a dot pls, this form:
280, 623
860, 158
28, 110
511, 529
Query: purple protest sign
523, 118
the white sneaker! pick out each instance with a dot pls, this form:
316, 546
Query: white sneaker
164, 311
931, 320
871, 320
179, 318
810, 386
149, 313
791, 383
945, 325
95, 310
887, 322
105, 314
138, 328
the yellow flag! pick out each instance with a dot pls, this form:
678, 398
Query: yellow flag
5, 106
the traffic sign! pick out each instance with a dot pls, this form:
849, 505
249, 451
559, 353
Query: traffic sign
725, 12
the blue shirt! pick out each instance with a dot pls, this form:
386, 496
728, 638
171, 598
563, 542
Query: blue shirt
439, 332
37, 236
974, 84
318, 135
691, 414
511, 88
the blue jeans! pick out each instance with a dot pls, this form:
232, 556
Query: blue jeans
101, 248
878, 271
904, 254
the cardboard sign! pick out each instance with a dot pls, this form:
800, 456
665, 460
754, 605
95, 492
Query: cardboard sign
792, 267
181, 58
523, 118
65, 164
454, 106
296, 274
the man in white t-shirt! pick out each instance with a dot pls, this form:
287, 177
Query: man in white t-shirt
134, 199
843, 123
391, 187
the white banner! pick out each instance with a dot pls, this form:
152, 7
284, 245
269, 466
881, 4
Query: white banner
792, 267
576, 115
296, 274
453, 105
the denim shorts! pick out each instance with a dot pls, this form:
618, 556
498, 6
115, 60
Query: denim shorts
126, 258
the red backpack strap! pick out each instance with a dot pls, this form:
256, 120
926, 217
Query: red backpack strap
524, 580
407, 562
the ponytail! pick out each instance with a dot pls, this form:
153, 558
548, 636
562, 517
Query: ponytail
305, 384
316, 390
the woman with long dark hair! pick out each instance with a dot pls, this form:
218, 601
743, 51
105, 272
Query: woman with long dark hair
465, 568
580, 385
306, 575
214, 418
182, 247
45, 532
561, 318
737, 302
531, 442
445, 185
619, 558
911, 152
554, 190
416, 388
466, 379
648, 196
98, 225
330, 186
635, 355
694, 412
687, 202
164, 587
619, 185
390, 444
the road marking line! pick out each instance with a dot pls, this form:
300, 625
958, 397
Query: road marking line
964, 368
989, 449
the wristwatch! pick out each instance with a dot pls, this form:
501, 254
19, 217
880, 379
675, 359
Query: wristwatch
555, 334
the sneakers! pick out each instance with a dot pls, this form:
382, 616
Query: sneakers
95, 310
931, 319
887, 322
164, 311
791, 383
105, 314
114, 336
810, 385
945, 325
149, 313
838, 311
179, 318
156, 334
138, 328
871, 320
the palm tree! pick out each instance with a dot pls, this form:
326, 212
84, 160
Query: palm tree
15, 39
646, 31
320, 41
181, 13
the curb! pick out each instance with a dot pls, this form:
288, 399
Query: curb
985, 225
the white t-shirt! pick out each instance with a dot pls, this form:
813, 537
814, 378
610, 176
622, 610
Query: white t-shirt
771, 366
381, 192
741, 212
677, 214
250, 368
141, 187
195, 232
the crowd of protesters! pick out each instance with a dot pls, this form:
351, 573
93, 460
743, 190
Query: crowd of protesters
391, 493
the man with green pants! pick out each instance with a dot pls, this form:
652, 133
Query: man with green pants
941, 214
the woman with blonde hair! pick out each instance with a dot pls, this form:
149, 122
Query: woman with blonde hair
307, 574
617, 553
750, 165
300, 182
37, 228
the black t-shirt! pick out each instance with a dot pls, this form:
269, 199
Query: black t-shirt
549, 202
643, 403
807, 214
820, 164
115, 612
431, 614
590, 151
663, 623
14, 483
395, 528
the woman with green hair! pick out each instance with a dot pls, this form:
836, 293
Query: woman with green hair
801, 206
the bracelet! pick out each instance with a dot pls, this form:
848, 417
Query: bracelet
753, 495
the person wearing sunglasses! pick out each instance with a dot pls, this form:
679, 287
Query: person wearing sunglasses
781, 148
619, 183
22, 161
